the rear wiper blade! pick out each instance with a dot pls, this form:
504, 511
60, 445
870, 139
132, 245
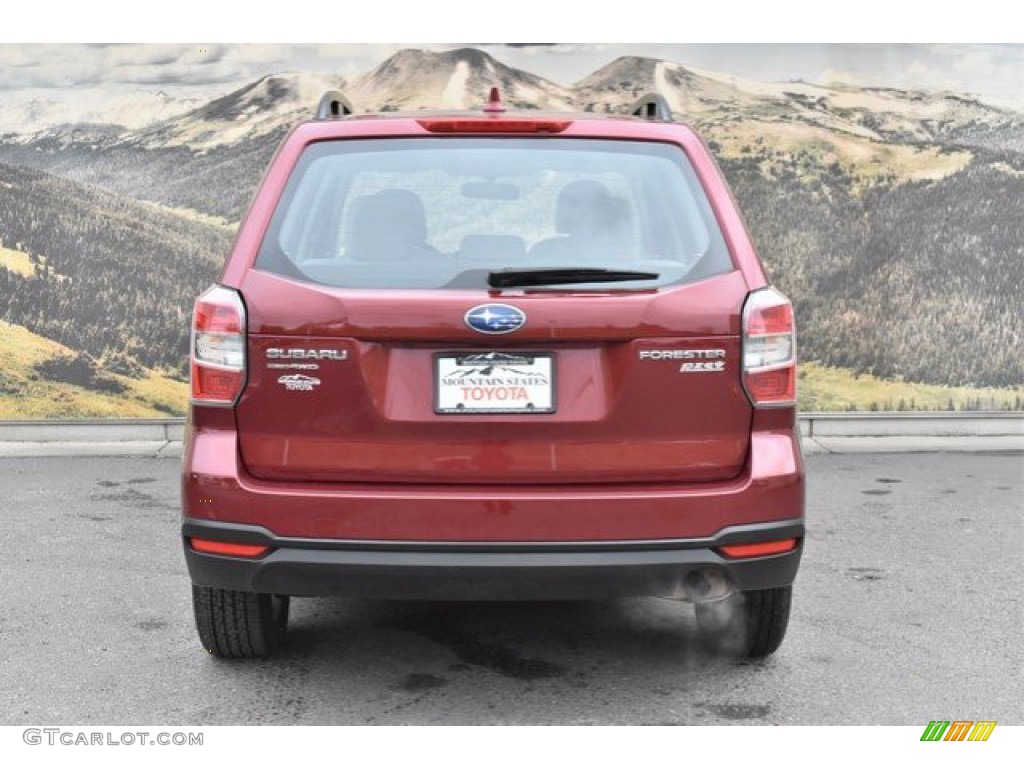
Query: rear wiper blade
508, 278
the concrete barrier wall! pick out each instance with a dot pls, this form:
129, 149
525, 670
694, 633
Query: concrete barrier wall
96, 430
911, 424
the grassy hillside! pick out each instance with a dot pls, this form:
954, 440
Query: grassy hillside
217, 182
815, 148
105, 275
26, 394
822, 388
918, 281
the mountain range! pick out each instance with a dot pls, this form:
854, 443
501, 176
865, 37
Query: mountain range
208, 158
891, 217
460, 79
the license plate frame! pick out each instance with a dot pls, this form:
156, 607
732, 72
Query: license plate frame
517, 367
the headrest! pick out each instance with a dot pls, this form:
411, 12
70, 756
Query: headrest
582, 207
386, 226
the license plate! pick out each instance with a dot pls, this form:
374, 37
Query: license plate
494, 382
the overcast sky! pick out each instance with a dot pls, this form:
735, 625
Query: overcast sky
993, 71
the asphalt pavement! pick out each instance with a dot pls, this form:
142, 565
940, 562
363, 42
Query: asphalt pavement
907, 609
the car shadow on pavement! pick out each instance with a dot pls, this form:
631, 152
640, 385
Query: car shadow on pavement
389, 662
516, 640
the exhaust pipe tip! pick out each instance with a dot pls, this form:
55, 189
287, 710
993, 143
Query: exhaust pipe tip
697, 585
707, 585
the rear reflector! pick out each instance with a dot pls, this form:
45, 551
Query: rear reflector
228, 548
215, 387
760, 549
494, 125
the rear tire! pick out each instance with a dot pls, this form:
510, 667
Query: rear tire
239, 625
746, 625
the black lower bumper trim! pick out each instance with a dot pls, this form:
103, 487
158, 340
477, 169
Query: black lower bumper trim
551, 571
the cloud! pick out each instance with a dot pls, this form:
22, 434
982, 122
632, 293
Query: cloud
21, 55
262, 53
922, 75
189, 64
540, 49
140, 55
47, 66
977, 62
59, 66
180, 73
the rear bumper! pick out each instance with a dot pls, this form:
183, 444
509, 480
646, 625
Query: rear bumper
478, 571
216, 487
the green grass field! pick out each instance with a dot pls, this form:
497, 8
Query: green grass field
17, 262
26, 395
835, 389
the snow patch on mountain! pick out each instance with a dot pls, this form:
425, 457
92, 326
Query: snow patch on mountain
30, 111
264, 107
415, 79
662, 86
455, 92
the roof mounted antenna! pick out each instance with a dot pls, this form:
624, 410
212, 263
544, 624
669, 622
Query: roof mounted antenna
333, 104
494, 105
653, 106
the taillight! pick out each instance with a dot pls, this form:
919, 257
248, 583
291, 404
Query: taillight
769, 349
217, 352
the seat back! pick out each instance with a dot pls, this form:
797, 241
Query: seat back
590, 221
492, 249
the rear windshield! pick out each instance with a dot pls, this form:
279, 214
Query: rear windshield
446, 212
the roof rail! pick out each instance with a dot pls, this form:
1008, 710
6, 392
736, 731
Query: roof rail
333, 104
653, 106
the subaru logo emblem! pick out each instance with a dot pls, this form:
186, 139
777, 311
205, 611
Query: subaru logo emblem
495, 318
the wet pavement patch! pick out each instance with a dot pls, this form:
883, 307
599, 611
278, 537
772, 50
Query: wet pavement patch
417, 682
133, 498
741, 711
471, 650
866, 574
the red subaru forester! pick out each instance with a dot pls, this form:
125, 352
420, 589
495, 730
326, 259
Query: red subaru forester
492, 356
